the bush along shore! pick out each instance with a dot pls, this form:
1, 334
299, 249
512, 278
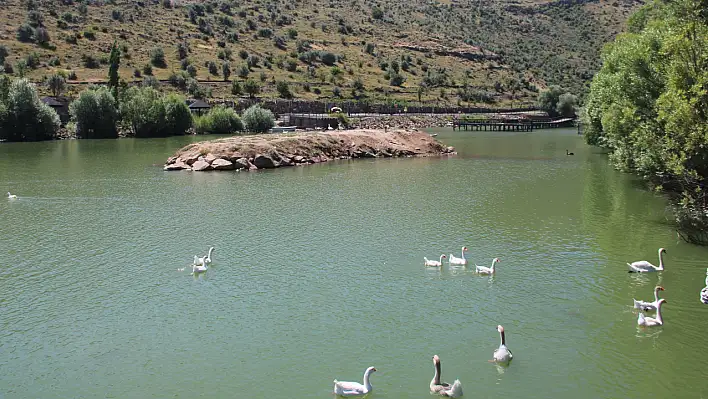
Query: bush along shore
272, 151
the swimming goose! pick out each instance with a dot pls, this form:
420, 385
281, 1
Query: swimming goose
11, 196
650, 321
502, 354
434, 263
198, 268
647, 306
704, 291
568, 153
205, 260
345, 388
487, 270
454, 260
643, 266
443, 388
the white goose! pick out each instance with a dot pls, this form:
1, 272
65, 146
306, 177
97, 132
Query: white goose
198, 268
650, 321
502, 354
487, 270
647, 306
433, 263
11, 196
443, 388
704, 291
345, 388
454, 260
205, 260
643, 266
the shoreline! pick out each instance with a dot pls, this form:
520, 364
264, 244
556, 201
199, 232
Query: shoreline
269, 151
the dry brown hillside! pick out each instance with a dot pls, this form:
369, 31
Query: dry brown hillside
469, 52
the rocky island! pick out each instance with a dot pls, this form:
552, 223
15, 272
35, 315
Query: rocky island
267, 151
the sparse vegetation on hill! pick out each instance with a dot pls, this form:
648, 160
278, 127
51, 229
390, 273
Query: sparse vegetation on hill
439, 51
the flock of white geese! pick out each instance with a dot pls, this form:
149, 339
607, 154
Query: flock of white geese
502, 354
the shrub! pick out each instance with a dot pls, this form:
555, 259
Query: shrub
252, 87
151, 115
147, 69
196, 90
213, 69
151, 81
219, 120
23, 117
291, 66
117, 15
95, 114
21, 67
90, 61
236, 88
377, 13
258, 120
56, 84
35, 18
4, 52
252, 61
89, 35
243, 54
178, 117
192, 71
41, 36
32, 60
182, 50
328, 58
54, 61
25, 33
226, 70
283, 89
243, 71
157, 57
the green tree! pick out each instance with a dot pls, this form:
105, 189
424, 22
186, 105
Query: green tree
548, 100
95, 114
178, 117
258, 120
566, 105
283, 89
252, 87
23, 117
113, 77
219, 120
56, 83
236, 88
149, 114
648, 106
226, 70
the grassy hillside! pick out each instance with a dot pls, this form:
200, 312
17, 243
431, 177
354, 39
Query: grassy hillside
473, 52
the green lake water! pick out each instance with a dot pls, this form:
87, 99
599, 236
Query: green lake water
318, 273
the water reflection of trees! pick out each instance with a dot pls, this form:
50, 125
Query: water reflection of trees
621, 215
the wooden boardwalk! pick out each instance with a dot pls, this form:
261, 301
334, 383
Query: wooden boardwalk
510, 126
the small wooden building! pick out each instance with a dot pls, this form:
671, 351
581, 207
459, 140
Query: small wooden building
199, 107
61, 107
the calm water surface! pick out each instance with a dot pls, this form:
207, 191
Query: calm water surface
318, 274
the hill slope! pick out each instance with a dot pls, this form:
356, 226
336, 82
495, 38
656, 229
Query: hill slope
471, 51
